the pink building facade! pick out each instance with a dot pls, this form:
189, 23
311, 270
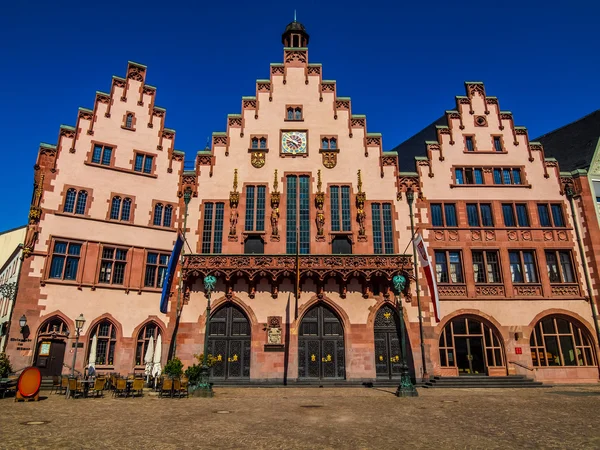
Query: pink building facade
296, 192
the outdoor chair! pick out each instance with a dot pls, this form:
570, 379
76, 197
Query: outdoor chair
166, 388
113, 381
56, 384
99, 385
64, 384
120, 387
138, 387
183, 388
75, 388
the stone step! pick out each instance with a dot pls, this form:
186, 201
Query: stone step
480, 381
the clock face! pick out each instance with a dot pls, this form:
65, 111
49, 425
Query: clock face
293, 142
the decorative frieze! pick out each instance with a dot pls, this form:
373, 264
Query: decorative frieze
530, 290
566, 290
490, 291
452, 290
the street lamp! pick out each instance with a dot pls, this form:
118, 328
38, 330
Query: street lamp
204, 386
23, 324
79, 322
410, 198
406, 388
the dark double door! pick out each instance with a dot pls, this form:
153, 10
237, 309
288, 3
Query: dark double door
321, 351
470, 359
229, 342
50, 356
388, 351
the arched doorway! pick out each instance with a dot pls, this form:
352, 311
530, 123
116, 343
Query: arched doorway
51, 346
470, 345
388, 352
229, 342
321, 345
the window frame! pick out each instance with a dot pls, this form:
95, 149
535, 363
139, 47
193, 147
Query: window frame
75, 207
212, 245
464, 172
157, 266
560, 267
111, 338
145, 156
443, 206
515, 215
123, 198
258, 139
144, 341
302, 215
383, 236
448, 271
163, 213
294, 109
511, 173
52, 253
113, 263
255, 207
342, 220
522, 266
103, 146
484, 254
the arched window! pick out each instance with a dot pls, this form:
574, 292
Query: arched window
560, 341
298, 114
126, 210
325, 144
70, 200
332, 143
254, 143
151, 329
263, 143
168, 216
81, 202
158, 210
115, 208
106, 333
290, 114
129, 121
54, 325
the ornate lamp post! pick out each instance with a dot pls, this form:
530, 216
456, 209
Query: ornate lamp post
204, 386
410, 198
79, 322
406, 388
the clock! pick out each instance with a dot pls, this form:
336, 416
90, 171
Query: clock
294, 142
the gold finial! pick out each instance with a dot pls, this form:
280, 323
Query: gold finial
359, 182
235, 180
319, 184
275, 182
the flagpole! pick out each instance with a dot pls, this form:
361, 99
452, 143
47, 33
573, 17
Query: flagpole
410, 196
187, 196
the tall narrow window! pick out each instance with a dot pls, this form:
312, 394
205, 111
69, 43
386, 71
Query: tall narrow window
112, 266
115, 208
81, 202
168, 216
557, 215
469, 143
263, 143
486, 266
560, 268
106, 341
151, 330
129, 121
143, 163
383, 235
544, 215
450, 215
522, 217
497, 144
212, 233
255, 208
298, 114
126, 209
298, 213
340, 208
437, 219
486, 215
472, 215
522, 266
139, 162
254, 143
102, 154
497, 176
290, 114
509, 215
65, 260
70, 200
156, 269
158, 212
460, 179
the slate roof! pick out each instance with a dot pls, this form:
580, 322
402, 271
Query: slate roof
415, 145
573, 145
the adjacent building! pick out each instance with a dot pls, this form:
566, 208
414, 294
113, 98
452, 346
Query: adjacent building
11, 243
303, 219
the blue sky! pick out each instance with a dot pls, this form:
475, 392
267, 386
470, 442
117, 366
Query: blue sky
401, 62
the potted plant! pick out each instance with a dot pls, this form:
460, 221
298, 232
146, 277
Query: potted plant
194, 371
173, 368
5, 367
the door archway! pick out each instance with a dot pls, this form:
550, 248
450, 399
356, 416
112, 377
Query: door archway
229, 341
388, 352
471, 345
51, 346
321, 351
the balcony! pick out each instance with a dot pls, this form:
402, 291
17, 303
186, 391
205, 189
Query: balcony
367, 269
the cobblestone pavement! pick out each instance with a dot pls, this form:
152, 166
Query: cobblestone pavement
312, 418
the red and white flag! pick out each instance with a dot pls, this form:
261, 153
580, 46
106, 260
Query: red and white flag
425, 263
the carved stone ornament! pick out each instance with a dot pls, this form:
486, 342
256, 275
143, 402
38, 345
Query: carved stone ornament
329, 158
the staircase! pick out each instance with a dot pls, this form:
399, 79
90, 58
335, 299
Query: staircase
480, 381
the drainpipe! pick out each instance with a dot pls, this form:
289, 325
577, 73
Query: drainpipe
571, 195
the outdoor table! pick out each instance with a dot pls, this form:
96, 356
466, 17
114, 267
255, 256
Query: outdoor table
86, 386
6, 384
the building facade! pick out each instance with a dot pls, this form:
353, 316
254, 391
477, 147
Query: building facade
11, 243
303, 219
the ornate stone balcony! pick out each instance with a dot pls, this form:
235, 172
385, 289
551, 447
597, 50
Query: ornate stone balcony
367, 269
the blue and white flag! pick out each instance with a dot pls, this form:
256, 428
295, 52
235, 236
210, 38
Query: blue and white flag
164, 298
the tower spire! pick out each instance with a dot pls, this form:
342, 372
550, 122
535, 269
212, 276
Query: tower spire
294, 15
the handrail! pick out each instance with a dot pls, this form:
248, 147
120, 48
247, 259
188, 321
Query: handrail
70, 368
524, 366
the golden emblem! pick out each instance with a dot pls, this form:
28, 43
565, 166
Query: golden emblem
327, 359
380, 357
329, 159
233, 359
313, 358
387, 315
219, 358
395, 358
258, 159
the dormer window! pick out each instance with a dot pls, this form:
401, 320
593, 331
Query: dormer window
498, 144
469, 143
254, 143
129, 121
258, 142
328, 143
294, 112
263, 143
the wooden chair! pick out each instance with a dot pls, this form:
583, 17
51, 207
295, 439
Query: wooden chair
166, 388
99, 385
113, 381
183, 388
56, 383
75, 388
138, 387
120, 387
64, 384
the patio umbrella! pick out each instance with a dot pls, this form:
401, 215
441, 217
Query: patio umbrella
92, 361
157, 369
148, 358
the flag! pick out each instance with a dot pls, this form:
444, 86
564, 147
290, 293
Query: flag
164, 298
425, 263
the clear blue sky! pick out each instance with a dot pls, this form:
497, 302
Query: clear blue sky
401, 62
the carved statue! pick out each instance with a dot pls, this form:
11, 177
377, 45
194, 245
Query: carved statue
275, 221
233, 219
320, 222
399, 283
274, 336
361, 217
